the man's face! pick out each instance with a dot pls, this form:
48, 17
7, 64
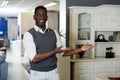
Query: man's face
40, 17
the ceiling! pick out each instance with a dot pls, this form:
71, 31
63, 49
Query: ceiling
16, 6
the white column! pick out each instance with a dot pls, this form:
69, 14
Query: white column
64, 62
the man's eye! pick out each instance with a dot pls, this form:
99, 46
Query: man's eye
38, 15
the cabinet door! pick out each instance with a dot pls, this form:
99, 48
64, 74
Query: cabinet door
116, 71
84, 74
81, 22
84, 65
103, 68
84, 70
83, 26
103, 64
116, 67
103, 72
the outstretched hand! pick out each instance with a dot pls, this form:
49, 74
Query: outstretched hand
86, 47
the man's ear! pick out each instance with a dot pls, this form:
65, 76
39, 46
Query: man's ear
34, 17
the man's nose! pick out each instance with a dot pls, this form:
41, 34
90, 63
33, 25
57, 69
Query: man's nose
41, 17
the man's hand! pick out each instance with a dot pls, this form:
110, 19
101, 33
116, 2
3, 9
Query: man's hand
86, 47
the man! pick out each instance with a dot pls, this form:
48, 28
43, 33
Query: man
42, 43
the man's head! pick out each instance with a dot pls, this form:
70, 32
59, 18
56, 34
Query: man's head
40, 16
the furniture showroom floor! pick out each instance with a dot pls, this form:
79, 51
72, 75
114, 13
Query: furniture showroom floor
14, 59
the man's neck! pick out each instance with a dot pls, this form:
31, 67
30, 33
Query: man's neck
43, 28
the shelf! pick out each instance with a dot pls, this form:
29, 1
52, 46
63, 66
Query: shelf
101, 58
107, 42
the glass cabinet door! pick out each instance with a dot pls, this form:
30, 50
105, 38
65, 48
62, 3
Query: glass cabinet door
84, 26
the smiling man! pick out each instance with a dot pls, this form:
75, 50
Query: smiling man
41, 44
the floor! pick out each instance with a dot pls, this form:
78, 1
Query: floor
14, 59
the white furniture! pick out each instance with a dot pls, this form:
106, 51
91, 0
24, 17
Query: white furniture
86, 23
90, 69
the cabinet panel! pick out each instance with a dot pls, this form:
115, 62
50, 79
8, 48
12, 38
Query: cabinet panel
103, 72
103, 68
84, 65
107, 18
117, 64
116, 67
113, 20
103, 64
101, 20
84, 74
116, 71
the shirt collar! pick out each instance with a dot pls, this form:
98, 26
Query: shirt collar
39, 29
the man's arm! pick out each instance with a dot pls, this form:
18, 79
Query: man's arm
75, 51
68, 52
39, 57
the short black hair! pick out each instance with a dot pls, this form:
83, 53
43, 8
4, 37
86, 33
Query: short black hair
40, 7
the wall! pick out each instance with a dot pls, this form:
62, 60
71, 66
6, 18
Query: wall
12, 28
25, 21
53, 20
63, 62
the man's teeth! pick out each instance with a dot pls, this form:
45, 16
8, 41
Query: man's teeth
41, 21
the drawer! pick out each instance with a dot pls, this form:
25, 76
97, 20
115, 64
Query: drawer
87, 71
84, 74
117, 64
103, 64
84, 65
103, 72
117, 71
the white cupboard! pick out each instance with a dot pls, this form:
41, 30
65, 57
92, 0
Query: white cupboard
87, 24
92, 68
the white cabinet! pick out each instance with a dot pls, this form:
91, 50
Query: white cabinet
91, 68
86, 24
